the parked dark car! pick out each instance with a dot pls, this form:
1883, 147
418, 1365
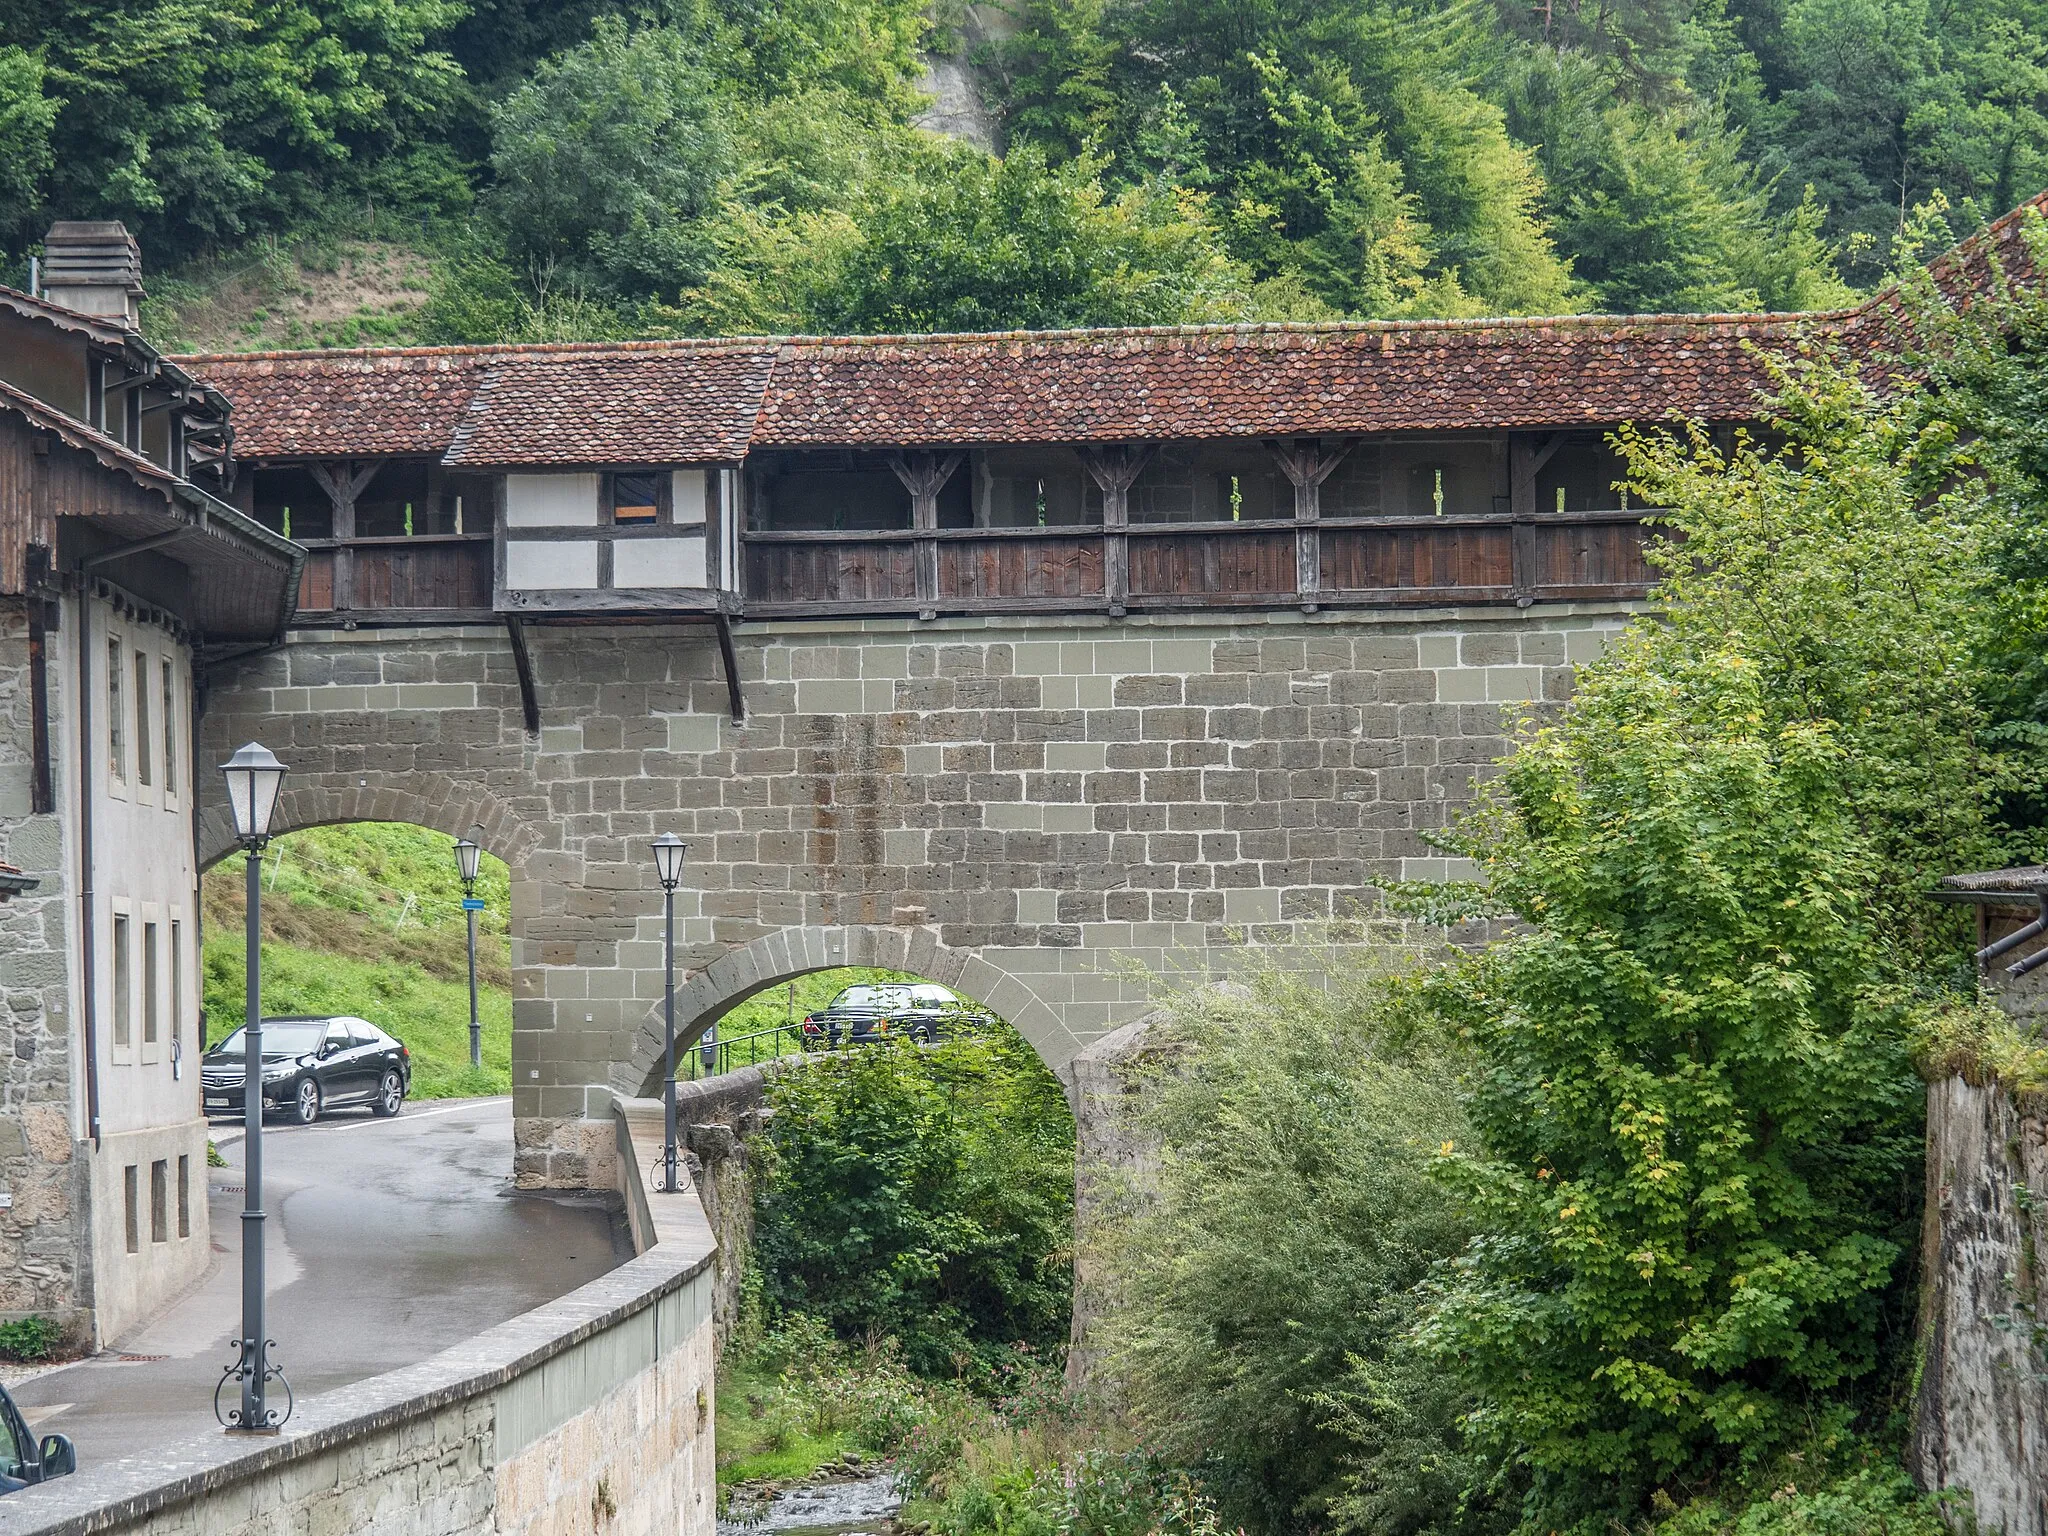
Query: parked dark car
311, 1064
918, 1010
23, 1458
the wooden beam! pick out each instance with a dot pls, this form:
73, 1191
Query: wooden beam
730, 661
700, 601
924, 475
528, 700
1115, 470
1307, 466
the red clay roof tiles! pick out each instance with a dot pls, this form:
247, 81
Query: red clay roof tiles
688, 406
683, 401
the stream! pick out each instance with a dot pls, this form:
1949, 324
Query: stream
860, 1506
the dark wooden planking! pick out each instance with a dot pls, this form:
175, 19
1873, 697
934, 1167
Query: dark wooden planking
1604, 554
1360, 559
1215, 563
862, 571
1034, 568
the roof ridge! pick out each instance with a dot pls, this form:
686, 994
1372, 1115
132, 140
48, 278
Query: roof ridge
494, 352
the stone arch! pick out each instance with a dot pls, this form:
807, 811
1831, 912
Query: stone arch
447, 805
768, 961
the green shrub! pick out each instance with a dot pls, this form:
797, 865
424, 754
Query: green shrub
924, 1194
1698, 1129
29, 1338
1265, 1290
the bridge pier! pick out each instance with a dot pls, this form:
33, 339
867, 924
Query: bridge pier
1049, 813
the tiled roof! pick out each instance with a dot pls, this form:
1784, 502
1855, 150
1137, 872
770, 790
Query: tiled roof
1260, 380
333, 404
678, 401
686, 405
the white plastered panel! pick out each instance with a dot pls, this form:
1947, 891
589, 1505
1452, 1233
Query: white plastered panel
543, 564
551, 501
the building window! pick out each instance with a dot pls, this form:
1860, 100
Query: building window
170, 730
160, 1201
145, 765
177, 987
129, 1198
636, 499
149, 1002
184, 1195
124, 1019
117, 741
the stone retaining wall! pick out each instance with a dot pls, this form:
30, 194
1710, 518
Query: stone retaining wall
1981, 1416
592, 1414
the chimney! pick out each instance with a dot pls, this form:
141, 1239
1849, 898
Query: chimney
94, 266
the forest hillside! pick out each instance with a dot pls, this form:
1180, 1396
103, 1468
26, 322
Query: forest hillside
332, 171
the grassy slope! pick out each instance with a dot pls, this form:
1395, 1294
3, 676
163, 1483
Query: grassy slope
311, 292
340, 938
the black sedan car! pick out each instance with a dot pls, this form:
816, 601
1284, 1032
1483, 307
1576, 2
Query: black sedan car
921, 1011
311, 1064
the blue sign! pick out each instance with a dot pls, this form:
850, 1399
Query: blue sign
472, 903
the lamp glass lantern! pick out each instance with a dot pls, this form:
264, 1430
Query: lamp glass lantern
466, 852
254, 777
668, 859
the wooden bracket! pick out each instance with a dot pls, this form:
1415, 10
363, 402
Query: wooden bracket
528, 700
734, 699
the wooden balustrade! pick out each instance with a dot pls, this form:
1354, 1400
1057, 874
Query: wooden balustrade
422, 578
1333, 562
1355, 562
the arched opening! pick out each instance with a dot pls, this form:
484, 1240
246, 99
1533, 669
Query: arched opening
367, 920
775, 960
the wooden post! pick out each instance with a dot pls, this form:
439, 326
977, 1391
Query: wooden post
1306, 467
924, 475
1115, 470
1526, 457
343, 485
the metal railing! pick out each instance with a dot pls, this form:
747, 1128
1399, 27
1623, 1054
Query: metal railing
714, 1059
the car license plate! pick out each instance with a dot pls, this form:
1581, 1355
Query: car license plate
213, 1103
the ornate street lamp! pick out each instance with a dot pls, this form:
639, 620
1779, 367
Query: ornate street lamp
668, 867
466, 851
254, 778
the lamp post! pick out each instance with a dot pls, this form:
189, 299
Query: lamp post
466, 851
668, 865
254, 776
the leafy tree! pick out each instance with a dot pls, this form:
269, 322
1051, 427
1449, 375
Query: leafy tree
1267, 1263
1697, 1121
925, 1194
608, 160
26, 117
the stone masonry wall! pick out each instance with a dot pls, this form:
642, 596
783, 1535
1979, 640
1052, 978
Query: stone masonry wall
43, 1268
1051, 813
590, 1414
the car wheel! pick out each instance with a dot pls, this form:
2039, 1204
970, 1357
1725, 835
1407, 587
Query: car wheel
306, 1102
390, 1094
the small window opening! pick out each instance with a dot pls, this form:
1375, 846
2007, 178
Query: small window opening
131, 1199
184, 1195
177, 984
124, 1021
635, 499
287, 521
117, 741
1437, 496
1560, 500
170, 729
1040, 502
144, 763
160, 1201
149, 1006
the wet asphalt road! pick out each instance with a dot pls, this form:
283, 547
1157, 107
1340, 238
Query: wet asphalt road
389, 1240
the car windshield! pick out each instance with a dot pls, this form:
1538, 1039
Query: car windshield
292, 1037
872, 997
